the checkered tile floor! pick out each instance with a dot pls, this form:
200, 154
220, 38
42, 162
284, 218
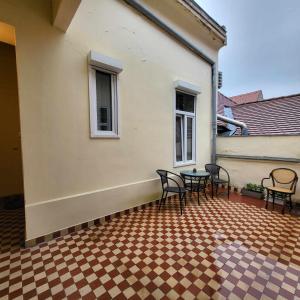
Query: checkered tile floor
11, 229
218, 250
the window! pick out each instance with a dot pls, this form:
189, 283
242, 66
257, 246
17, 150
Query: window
185, 128
103, 104
103, 80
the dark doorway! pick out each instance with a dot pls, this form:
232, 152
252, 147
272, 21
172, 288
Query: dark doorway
12, 218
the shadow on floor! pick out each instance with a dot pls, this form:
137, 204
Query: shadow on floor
12, 223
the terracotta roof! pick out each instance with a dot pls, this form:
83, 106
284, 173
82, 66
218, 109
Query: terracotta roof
224, 101
276, 116
248, 97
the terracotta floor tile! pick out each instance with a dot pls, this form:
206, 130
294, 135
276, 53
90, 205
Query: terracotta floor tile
222, 249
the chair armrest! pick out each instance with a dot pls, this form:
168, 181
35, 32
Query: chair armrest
295, 185
178, 176
228, 177
169, 178
262, 181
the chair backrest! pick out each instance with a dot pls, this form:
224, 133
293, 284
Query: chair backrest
163, 176
284, 176
213, 170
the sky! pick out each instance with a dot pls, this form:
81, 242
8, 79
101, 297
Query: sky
263, 45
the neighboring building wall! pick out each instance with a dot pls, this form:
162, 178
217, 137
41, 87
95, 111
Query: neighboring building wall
10, 149
69, 177
252, 171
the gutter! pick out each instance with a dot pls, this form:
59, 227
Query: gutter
197, 51
240, 124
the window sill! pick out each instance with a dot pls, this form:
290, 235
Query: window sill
112, 136
178, 165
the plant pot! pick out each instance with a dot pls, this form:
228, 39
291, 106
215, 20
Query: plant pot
254, 194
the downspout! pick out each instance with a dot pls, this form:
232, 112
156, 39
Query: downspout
214, 114
177, 36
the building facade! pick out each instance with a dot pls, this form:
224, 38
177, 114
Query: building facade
106, 97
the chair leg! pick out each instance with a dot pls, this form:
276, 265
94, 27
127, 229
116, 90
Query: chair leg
165, 198
212, 189
180, 202
161, 199
283, 206
267, 200
184, 196
217, 187
228, 191
205, 193
291, 204
273, 197
204, 188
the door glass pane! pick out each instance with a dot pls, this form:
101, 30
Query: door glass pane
179, 130
104, 101
185, 102
189, 142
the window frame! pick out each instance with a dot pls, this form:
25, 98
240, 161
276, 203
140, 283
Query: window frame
94, 131
184, 115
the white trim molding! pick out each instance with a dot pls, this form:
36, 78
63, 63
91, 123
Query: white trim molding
56, 214
104, 62
187, 87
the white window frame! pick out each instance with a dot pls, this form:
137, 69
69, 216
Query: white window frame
95, 133
185, 115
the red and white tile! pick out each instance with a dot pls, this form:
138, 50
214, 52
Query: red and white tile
219, 250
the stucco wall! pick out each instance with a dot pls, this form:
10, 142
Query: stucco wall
249, 171
70, 178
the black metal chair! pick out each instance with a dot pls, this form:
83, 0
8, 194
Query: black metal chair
284, 182
177, 187
215, 180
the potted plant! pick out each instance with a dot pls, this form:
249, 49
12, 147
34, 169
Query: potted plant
253, 190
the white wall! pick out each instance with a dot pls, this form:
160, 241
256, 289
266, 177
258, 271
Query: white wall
249, 171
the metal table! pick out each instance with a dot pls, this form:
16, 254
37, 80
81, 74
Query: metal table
195, 181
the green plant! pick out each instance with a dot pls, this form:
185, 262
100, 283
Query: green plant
254, 187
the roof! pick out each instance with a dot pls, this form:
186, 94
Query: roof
200, 12
206, 16
248, 97
275, 116
224, 101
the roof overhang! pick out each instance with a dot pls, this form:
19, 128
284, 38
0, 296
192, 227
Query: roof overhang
202, 16
64, 12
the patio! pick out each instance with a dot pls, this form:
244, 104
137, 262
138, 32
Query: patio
220, 249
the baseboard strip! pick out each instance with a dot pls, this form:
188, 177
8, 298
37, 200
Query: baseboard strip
98, 221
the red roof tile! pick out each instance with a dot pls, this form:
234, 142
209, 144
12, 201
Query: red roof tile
224, 101
248, 97
274, 116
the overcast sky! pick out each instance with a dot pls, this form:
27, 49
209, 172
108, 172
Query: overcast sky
263, 45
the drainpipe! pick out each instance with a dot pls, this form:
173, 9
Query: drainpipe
177, 36
242, 125
214, 76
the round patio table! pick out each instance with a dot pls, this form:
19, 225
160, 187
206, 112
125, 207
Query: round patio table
195, 181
